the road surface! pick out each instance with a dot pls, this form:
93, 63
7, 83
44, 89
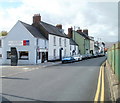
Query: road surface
64, 82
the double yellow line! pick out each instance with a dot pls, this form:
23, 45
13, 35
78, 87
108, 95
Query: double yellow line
100, 86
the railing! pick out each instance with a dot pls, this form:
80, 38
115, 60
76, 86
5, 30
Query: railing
113, 58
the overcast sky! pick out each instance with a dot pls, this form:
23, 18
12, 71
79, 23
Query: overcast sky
100, 18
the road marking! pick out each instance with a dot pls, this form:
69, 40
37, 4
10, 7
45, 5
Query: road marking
98, 87
102, 90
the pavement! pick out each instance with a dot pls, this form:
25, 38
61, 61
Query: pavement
7, 70
62, 82
114, 84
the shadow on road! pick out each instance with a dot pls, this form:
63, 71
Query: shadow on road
28, 100
14, 78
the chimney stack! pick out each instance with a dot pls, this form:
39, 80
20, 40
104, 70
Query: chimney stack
85, 31
70, 30
36, 18
79, 30
59, 26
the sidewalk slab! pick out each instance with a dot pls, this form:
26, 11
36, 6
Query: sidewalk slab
113, 83
8, 70
46, 64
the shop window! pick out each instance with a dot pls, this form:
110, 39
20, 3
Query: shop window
8, 54
23, 55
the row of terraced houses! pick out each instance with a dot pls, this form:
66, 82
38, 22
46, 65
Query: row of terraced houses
41, 42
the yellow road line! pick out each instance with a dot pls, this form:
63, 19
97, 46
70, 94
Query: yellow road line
98, 88
102, 86
102, 90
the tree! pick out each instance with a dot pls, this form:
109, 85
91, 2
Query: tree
3, 33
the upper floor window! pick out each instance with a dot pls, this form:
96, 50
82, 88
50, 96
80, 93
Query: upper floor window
75, 47
65, 42
70, 47
60, 41
54, 40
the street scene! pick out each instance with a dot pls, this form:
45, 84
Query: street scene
62, 52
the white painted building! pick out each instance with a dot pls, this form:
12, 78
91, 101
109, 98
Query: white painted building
31, 45
36, 43
1, 48
58, 41
74, 50
96, 47
102, 47
92, 48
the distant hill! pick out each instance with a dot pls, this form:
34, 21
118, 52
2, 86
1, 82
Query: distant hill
109, 44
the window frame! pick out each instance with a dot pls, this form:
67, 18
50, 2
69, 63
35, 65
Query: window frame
54, 41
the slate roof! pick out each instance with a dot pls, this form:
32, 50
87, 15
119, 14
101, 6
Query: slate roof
84, 35
33, 30
72, 42
52, 29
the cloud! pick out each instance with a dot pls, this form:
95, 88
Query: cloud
99, 17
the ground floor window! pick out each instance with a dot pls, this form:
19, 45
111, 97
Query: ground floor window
54, 53
23, 55
39, 55
0, 55
65, 52
8, 54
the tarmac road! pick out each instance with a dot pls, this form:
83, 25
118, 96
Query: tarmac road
64, 82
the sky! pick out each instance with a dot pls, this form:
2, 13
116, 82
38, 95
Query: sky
100, 18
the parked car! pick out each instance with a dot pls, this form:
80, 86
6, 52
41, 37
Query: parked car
95, 55
84, 56
68, 59
77, 57
101, 54
89, 56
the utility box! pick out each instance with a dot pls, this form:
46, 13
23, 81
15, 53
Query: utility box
14, 56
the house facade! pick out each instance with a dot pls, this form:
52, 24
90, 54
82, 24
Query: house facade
96, 47
1, 48
31, 46
58, 41
82, 39
74, 49
91, 45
